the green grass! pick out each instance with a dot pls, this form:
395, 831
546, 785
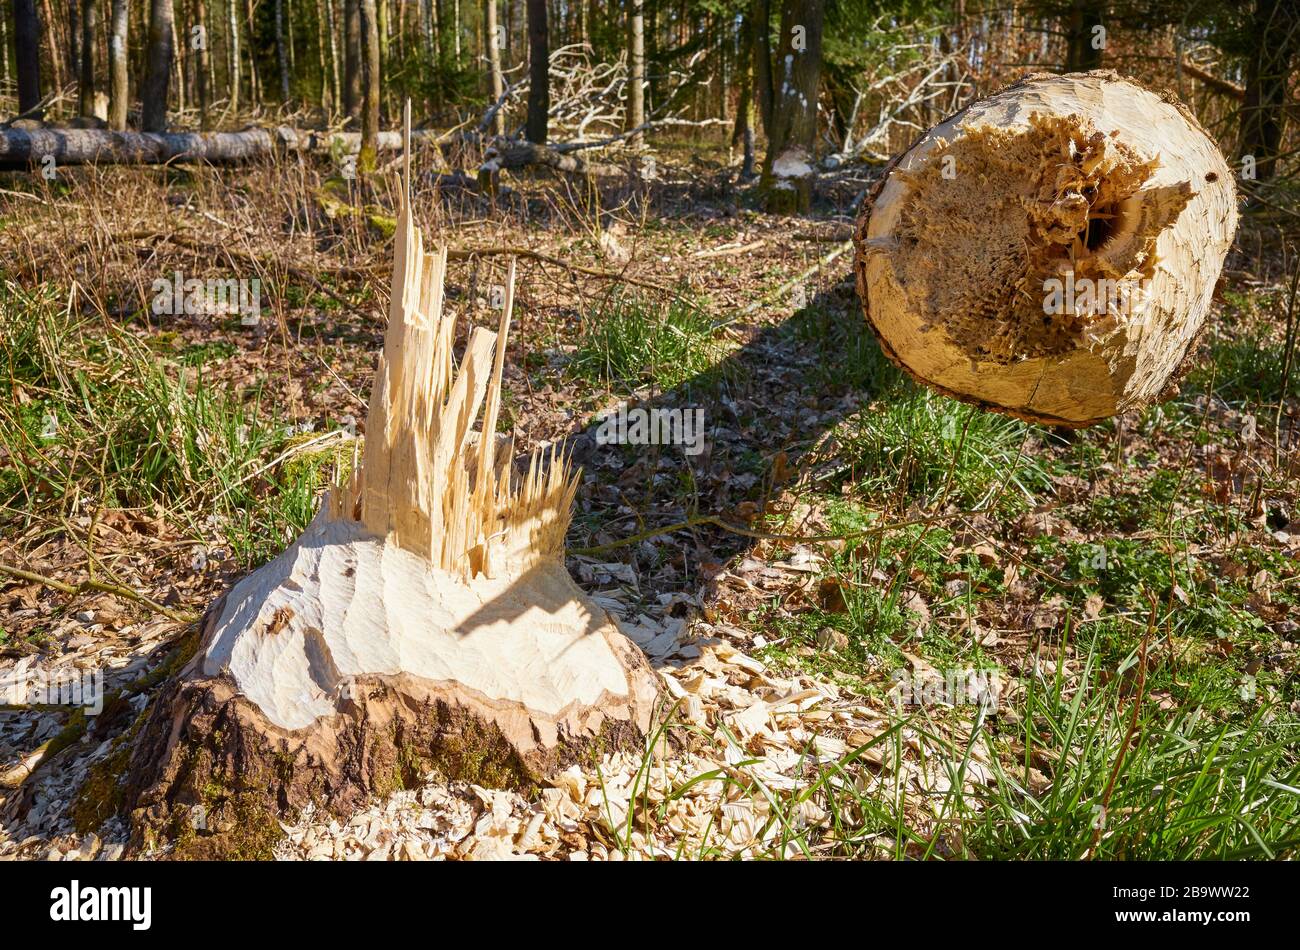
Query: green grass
1187, 785
630, 341
846, 350
92, 411
923, 448
1246, 353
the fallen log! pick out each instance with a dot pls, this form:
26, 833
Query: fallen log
424, 621
29, 147
1050, 251
517, 153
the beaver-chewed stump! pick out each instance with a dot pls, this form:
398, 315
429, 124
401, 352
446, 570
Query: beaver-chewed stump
1050, 251
424, 621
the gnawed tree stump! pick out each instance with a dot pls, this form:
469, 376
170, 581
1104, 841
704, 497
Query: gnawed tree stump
1050, 251
424, 620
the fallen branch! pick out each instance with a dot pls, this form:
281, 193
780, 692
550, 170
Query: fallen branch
717, 522
86, 586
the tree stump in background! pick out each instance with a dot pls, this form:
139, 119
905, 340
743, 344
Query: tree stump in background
1050, 251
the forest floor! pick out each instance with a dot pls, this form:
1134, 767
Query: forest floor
894, 626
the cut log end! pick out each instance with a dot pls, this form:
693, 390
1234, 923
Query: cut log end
1050, 251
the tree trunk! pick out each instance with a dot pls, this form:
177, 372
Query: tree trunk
744, 130
75, 36
119, 94
281, 51
539, 82
352, 58
337, 85
153, 112
54, 35
178, 66
760, 24
254, 74
1276, 29
369, 85
86, 91
425, 619
27, 56
787, 179
1014, 264
204, 70
1084, 41
4, 50
324, 57
233, 55
636, 68
22, 148
493, 43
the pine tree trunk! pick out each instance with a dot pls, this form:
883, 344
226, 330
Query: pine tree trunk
539, 82
27, 56
153, 113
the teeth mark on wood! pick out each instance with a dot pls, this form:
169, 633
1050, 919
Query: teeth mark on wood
1062, 272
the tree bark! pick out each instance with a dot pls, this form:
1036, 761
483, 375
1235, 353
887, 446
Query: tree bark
27, 50
786, 184
1276, 30
281, 51
539, 83
22, 148
204, 70
744, 130
54, 34
369, 85
89, 27
636, 68
760, 25
233, 54
351, 58
75, 36
492, 42
153, 112
119, 95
